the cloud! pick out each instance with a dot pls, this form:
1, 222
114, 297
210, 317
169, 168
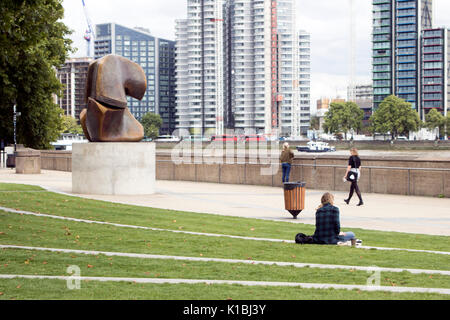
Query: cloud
156, 15
328, 21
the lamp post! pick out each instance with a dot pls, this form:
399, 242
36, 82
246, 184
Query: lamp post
15, 121
15, 115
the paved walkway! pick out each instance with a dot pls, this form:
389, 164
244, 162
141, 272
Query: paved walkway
380, 212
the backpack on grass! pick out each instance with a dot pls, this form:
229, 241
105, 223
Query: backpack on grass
302, 238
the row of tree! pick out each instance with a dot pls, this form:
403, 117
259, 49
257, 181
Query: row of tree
394, 116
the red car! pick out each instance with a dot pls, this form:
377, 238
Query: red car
254, 137
223, 137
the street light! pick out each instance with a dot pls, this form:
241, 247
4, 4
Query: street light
15, 115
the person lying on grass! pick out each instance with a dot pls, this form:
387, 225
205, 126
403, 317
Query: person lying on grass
328, 227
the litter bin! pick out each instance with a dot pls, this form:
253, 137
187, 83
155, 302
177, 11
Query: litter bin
294, 197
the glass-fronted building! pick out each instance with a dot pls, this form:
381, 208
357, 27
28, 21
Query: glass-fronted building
157, 58
383, 48
397, 25
435, 57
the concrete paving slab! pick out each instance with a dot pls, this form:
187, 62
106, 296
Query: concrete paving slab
409, 214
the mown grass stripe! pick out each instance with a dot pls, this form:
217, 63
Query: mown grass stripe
255, 262
196, 233
236, 282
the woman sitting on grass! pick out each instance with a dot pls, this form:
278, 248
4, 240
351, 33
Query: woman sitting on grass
328, 228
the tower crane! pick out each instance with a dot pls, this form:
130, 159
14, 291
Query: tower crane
89, 34
351, 95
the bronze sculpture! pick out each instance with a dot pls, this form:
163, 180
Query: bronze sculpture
107, 118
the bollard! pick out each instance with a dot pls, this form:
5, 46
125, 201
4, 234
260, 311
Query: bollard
27, 161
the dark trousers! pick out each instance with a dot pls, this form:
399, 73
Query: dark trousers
286, 171
354, 187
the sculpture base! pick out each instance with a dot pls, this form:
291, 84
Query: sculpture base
122, 168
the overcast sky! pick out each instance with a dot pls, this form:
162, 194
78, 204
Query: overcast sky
328, 22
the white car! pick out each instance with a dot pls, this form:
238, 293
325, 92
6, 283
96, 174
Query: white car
167, 138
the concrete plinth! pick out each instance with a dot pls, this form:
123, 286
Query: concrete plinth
28, 161
122, 168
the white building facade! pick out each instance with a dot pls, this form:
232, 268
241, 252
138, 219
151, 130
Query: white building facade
240, 68
199, 68
304, 85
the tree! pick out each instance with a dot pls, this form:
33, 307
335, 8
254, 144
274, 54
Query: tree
395, 116
70, 125
343, 117
434, 119
151, 123
33, 44
314, 123
447, 125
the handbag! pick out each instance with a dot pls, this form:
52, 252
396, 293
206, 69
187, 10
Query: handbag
351, 176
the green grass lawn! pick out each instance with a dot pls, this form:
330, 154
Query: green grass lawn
62, 205
25, 230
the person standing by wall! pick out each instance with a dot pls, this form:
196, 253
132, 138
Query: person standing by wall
353, 174
286, 158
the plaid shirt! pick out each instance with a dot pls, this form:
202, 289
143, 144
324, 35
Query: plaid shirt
327, 225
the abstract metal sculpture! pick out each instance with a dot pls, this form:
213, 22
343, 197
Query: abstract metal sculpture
107, 118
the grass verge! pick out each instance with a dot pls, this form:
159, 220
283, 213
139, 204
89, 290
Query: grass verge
62, 205
16, 229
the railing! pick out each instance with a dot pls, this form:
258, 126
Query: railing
319, 173
369, 184
370, 168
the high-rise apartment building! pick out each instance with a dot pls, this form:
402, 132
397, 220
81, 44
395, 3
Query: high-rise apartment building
238, 65
248, 59
304, 83
263, 59
199, 68
435, 70
397, 65
73, 76
156, 57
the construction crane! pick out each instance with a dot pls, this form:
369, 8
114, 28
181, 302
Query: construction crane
89, 34
351, 89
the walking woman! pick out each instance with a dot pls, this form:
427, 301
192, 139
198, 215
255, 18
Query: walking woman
354, 166
286, 158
